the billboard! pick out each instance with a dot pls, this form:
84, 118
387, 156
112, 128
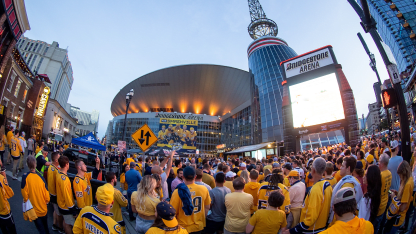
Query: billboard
316, 101
178, 133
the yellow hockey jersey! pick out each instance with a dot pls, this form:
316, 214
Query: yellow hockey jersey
315, 210
64, 196
93, 220
265, 191
5, 193
15, 147
119, 201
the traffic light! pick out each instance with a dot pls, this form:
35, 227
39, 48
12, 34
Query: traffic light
388, 97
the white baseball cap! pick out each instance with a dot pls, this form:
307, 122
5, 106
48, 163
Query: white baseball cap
230, 174
394, 144
243, 165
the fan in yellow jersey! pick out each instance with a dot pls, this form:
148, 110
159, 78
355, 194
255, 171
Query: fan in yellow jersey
16, 149
98, 219
3, 143
270, 220
401, 200
53, 170
165, 221
33, 188
82, 182
64, 197
9, 138
191, 220
119, 201
385, 185
266, 188
345, 207
252, 187
7, 224
315, 211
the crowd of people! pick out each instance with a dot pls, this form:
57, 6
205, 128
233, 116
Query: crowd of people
365, 188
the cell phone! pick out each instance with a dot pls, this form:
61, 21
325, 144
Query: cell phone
3, 169
390, 192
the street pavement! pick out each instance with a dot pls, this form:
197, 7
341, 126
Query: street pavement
27, 227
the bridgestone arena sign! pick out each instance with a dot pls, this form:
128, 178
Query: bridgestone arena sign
308, 62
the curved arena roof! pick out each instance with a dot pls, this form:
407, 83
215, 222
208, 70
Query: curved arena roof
200, 89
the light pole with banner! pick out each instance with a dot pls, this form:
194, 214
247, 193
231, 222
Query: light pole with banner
369, 25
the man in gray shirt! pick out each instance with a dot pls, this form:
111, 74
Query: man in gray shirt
216, 219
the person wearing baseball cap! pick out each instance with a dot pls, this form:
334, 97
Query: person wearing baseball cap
345, 206
165, 221
394, 163
229, 177
195, 220
243, 167
297, 194
90, 219
384, 146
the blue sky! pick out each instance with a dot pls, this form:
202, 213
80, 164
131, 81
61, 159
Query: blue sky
112, 43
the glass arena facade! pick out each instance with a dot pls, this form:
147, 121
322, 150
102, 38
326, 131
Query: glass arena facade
264, 57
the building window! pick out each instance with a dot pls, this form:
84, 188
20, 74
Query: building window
27, 45
39, 48
11, 81
46, 50
39, 64
30, 58
5, 102
36, 46
25, 94
33, 61
30, 47
12, 109
16, 91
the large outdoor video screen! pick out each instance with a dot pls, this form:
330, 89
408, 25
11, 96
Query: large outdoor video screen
316, 101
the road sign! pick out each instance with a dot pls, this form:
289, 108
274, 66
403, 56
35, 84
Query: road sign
144, 137
394, 73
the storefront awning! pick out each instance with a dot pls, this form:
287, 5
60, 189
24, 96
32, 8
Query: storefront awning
249, 148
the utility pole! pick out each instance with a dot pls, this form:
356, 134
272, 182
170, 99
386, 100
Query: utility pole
374, 68
369, 26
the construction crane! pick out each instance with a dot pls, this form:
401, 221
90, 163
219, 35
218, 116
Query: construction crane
260, 25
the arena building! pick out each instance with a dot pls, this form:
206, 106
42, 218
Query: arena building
216, 97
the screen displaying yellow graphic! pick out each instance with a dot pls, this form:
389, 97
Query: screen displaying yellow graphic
177, 133
316, 101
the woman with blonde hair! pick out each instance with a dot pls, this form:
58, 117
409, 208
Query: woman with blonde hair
244, 175
401, 199
3, 143
144, 202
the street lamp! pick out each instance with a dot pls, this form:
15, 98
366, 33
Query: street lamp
129, 96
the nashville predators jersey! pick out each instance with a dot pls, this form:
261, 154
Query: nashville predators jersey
93, 220
115, 211
52, 171
200, 198
33, 187
64, 195
9, 137
385, 186
315, 209
332, 181
3, 143
15, 147
265, 191
393, 213
82, 190
5, 193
